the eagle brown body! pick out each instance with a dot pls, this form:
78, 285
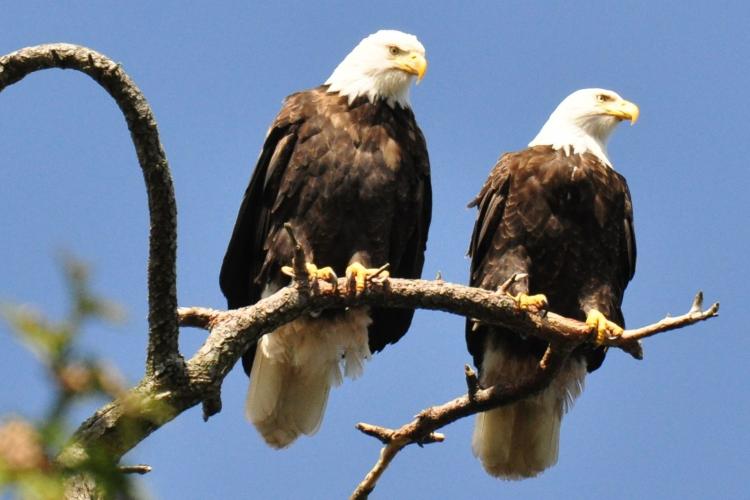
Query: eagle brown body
351, 188
353, 181
566, 221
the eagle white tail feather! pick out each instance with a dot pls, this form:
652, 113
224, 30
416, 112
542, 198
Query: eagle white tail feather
522, 439
294, 369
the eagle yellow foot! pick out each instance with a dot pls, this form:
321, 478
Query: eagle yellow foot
358, 275
530, 302
605, 329
315, 273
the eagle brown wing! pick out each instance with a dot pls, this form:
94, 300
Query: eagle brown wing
245, 253
566, 221
408, 235
630, 253
245, 260
353, 181
491, 204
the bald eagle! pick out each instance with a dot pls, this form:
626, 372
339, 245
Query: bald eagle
559, 215
346, 165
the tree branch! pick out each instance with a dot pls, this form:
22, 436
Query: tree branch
694, 315
126, 421
163, 357
135, 469
171, 386
478, 400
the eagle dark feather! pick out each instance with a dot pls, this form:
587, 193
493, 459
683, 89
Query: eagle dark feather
353, 181
350, 179
566, 221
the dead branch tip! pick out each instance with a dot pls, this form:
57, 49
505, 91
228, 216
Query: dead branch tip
298, 261
135, 469
697, 303
382, 434
472, 382
503, 289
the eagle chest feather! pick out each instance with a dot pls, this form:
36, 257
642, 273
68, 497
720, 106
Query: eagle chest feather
355, 188
572, 213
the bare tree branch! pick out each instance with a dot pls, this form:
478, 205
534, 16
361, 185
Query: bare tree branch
135, 469
163, 355
472, 381
301, 279
126, 421
171, 386
478, 400
668, 323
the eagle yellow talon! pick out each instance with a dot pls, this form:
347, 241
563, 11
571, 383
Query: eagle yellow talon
358, 276
605, 329
530, 302
314, 273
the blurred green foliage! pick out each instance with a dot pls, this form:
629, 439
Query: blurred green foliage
28, 448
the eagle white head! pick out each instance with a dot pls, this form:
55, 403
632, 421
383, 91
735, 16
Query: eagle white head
584, 120
382, 66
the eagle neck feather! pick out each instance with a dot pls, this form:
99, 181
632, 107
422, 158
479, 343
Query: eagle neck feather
391, 87
586, 136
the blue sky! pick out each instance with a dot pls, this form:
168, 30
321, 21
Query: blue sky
671, 426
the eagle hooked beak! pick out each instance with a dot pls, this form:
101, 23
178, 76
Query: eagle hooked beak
622, 109
413, 63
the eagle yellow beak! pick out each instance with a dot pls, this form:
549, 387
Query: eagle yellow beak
413, 63
622, 109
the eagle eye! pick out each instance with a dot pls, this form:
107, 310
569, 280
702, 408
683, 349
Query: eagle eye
603, 98
394, 50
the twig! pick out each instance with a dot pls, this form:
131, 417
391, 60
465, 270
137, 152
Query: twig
427, 421
197, 317
482, 400
379, 271
381, 433
697, 305
472, 382
387, 454
666, 324
385, 435
546, 357
503, 289
135, 469
394, 443
301, 280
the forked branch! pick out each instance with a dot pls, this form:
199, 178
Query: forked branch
171, 386
477, 400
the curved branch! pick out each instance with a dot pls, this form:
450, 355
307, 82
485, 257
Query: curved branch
170, 386
163, 355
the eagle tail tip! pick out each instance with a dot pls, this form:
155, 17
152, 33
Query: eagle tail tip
517, 441
294, 369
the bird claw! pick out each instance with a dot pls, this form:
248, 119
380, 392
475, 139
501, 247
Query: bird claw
314, 273
537, 303
357, 276
531, 302
605, 329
